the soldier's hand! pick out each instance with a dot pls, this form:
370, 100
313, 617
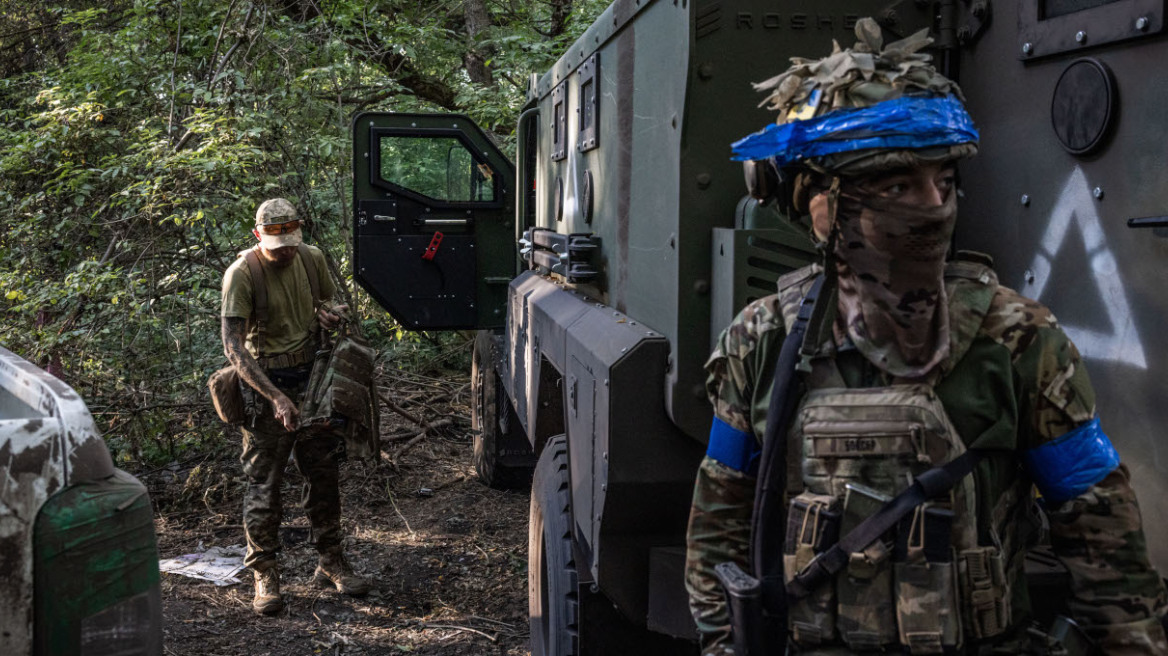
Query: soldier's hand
330, 318
286, 413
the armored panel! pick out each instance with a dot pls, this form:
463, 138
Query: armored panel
746, 265
1057, 225
433, 206
1057, 27
435, 293
631, 469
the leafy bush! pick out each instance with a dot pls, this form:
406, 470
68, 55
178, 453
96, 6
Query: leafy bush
138, 136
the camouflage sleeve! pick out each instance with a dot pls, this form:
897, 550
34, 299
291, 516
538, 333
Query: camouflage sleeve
719, 531
719, 525
1117, 596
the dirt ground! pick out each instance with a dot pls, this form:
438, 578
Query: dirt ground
447, 555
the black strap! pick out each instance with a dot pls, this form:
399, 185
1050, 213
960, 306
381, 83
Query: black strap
259, 290
929, 485
768, 523
310, 270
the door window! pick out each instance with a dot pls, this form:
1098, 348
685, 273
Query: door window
441, 168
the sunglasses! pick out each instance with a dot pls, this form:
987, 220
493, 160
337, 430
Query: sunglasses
279, 228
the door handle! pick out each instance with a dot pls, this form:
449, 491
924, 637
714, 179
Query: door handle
445, 223
1148, 222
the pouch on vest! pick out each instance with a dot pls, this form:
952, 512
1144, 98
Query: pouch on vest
867, 617
813, 524
985, 590
864, 446
928, 615
227, 396
342, 395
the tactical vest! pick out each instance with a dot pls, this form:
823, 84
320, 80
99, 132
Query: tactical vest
927, 585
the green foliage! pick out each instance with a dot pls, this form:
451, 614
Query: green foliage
138, 136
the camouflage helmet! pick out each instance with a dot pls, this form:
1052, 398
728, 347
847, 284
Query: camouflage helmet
275, 211
860, 78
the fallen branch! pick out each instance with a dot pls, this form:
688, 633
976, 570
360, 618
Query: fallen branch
445, 484
456, 627
396, 408
408, 445
403, 517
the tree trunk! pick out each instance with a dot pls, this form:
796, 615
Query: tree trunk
477, 21
561, 9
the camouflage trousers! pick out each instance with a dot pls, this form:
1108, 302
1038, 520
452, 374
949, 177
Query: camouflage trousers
266, 447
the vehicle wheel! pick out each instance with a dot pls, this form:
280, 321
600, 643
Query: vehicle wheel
496, 428
553, 602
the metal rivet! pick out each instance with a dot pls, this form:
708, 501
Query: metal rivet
1029, 277
1097, 192
1025, 200
1080, 36
625, 350
1027, 48
1142, 23
703, 180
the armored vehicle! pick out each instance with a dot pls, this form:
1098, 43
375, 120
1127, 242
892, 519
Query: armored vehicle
76, 533
603, 263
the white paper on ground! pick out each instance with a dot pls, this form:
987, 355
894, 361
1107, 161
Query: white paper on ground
217, 564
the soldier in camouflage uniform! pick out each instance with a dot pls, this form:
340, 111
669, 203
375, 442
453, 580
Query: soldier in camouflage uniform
1009, 381
275, 365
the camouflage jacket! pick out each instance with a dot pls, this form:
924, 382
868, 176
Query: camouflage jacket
1017, 385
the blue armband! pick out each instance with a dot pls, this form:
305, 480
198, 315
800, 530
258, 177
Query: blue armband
736, 449
1070, 465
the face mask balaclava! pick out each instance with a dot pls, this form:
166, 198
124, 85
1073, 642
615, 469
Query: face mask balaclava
890, 262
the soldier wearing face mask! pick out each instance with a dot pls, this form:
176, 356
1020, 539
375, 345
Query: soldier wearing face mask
919, 405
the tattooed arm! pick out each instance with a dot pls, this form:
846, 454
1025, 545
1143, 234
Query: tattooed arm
234, 329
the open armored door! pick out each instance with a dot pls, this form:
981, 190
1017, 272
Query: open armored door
433, 205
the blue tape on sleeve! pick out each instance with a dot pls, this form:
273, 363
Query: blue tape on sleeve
736, 449
907, 122
1070, 465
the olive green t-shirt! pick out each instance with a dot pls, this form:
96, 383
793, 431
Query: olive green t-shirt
291, 319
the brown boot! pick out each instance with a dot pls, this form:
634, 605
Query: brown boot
267, 599
334, 570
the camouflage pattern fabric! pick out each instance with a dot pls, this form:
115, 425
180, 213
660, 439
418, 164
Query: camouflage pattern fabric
266, 447
890, 259
275, 210
1012, 381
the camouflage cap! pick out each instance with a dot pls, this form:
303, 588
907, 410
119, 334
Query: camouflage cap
274, 211
859, 77
277, 212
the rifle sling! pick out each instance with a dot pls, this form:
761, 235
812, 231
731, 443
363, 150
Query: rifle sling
768, 534
259, 292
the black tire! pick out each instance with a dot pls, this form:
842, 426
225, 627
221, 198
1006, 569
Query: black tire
489, 403
553, 601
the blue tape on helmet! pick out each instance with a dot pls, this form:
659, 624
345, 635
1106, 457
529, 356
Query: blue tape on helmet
736, 449
1070, 465
908, 122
